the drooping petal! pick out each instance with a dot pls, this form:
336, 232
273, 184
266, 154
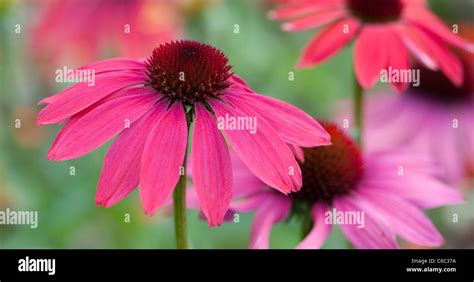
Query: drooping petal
101, 124
328, 42
264, 152
162, 158
252, 202
275, 209
292, 124
370, 54
401, 216
115, 64
314, 20
428, 21
80, 96
373, 235
418, 47
121, 170
398, 58
299, 154
320, 231
303, 8
212, 169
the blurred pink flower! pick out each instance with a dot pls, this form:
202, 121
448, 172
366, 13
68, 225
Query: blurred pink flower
86, 30
338, 178
435, 118
384, 32
157, 100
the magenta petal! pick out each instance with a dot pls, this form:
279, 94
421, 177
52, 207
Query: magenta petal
101, 124
162, 158
374, 235
320, 231
264, 153
314, 20
398, 57
304, 8
252, 202
121, 169
370, 54
212, 169
403, 217
328, 42
80, 96
116, 64
292, 124
276, 208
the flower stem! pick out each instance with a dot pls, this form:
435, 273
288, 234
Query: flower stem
358, 112
306, 226
179, 201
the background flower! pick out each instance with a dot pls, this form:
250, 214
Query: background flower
384, 32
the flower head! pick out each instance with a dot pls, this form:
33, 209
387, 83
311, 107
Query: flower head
384, 32
417, 120
151, 105
386, 190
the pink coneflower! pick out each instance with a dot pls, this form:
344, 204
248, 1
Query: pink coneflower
88, 29
435, 118
384, 32
386, 189
181, 82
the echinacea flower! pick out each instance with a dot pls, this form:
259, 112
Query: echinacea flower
151, 105
435, 118
385, 31
88, 29
386, 190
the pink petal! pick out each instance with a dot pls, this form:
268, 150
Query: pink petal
432, 24
418, 47
328, 42
374, 234
121, 170
245, 182
398, 57
304, 8
314, 20
298, 152
252, 202
101, 124
422, 191
370, 54
320, 231
80, 96
403, 218
264, 153
212, 170
276, 208
115, 64
292, 124
162, 158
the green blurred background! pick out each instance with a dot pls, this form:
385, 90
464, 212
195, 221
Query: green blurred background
68, 218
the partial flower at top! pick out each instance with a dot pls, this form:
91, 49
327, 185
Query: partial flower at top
86, 30
372, 197
152, 104
436, 118
384, 32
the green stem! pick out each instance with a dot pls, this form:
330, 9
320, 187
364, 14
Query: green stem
306, 226
358, 112
179, 202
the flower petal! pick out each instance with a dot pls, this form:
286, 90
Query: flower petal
320, 231
370, 54
314, 20
328, 42
398, 57
292, 124
121, 170
276, 208
80, 96
304, 8
403, 217
115, 64
264, 153
374, 234
212, 169
98, 126
162, 158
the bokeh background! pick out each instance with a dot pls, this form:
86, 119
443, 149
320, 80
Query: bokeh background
260, 52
